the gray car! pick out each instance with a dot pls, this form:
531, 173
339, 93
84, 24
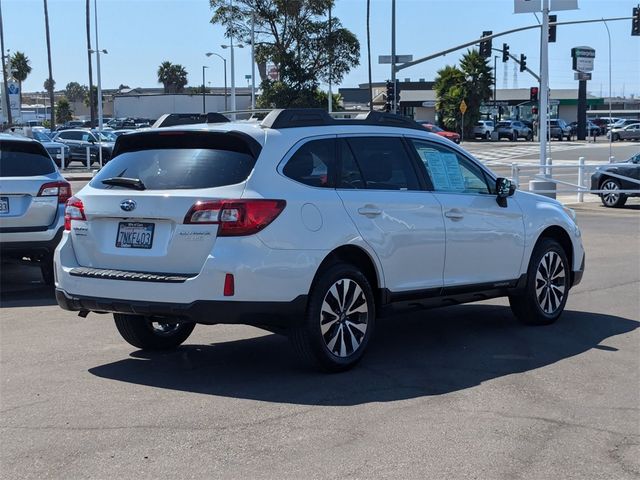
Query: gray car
79, 140
513, 130
559, 129
629, 132
59, 151
33, 194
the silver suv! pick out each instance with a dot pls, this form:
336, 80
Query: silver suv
33, 194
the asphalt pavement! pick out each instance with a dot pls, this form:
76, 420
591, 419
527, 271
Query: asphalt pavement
452, 393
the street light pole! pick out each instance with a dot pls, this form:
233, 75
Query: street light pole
224, 60
495, 104
203, 92
393, 55
253, 60
231, 46
609, 122
95, 11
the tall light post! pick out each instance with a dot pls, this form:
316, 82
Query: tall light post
203, 92
609, 122
231, 46
208, 54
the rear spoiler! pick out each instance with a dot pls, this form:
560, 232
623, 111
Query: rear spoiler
173, 119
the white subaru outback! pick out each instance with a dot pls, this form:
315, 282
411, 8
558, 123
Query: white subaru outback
306, 225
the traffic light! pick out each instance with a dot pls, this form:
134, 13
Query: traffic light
523, 62
552, 28
533, 94
534, 110
635, 22
505, 52
391, 92
485, 45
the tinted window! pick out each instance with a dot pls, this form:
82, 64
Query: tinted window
312, 163
384, 163
24, 159
449, 171
70, 135
178, 168
350, 175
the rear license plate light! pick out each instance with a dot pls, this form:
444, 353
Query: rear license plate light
135, 235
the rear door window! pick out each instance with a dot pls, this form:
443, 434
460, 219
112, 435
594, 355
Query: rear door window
24, 159
384, 163
168, 161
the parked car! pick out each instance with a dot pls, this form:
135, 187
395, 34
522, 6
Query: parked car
623, 122
78, 140
601, 180
309, 226
483, 129
57, 150
559, 129
628, 132
591, 129
32, 202
513, 130
453, 136
604, 123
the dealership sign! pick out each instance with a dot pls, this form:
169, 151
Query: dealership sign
534, 6
583, 59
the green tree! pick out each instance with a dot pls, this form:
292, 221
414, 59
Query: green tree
63, 111
172, 76
49, 85
20, 69
470, 82
75, 92
297, 37
449, 93
479, 79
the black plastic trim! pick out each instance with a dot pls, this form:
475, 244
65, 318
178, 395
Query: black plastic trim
26, 248
110, 274
210, 312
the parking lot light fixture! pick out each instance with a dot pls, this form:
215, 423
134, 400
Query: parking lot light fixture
231, 47
208, 54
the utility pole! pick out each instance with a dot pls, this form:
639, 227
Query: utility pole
393, 54
330, 64
5, 91
253, 61
544, 84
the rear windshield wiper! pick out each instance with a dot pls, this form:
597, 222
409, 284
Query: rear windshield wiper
134, 183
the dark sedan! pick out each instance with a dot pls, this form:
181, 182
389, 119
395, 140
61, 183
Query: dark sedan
601, 180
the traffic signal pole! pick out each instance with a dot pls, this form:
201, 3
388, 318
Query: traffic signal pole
393, 54
544, 85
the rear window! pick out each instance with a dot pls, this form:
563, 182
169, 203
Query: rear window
179, 168
504, 124
24, 159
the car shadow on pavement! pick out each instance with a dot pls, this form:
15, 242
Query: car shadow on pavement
412, 355
21, 285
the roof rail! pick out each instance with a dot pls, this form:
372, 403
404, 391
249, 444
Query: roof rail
173, 119
313, 117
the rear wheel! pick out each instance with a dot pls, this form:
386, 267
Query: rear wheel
46, 268
152, 333
339, 320
615, 137
548, 280
612, 197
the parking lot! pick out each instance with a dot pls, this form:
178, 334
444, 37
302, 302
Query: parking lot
462, 392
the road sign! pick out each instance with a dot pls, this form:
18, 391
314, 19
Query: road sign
527, 6
581, 76
583, 58
429, 103
554, 102
399, 58
463, 107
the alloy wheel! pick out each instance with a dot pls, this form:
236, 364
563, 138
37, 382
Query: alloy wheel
611, 196
164, 329
344, 317
550, 282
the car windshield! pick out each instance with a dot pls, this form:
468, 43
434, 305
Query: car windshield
106, 136
41, 136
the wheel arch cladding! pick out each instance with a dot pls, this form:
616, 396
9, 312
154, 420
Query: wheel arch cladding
561, 236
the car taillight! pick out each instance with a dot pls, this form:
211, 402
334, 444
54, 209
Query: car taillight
235, 217
74, 210
62, 190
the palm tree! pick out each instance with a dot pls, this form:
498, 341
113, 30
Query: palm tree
50, 83
92, 106
172, 77
20, 69
479, 78
449, 90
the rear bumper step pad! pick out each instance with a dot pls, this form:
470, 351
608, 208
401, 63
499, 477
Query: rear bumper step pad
108, 274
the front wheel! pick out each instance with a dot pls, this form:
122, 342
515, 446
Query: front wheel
339, 320
530, 136
612, 197
487, 135
152, 333
548, 281
514, 137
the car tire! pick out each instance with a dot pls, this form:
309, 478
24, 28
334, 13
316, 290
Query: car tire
487, 135
613, 199
530, 136
149, 333
615, 137
330, 338
514, 137
547, 287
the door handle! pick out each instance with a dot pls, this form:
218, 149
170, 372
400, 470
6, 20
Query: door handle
454, 214
369, 211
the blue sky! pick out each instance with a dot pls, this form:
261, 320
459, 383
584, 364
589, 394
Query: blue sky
140, 34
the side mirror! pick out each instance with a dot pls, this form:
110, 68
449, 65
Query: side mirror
504, 188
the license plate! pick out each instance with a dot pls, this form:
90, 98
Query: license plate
4, 204
135, 235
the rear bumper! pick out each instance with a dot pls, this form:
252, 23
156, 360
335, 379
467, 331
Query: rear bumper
211, 312
34, 243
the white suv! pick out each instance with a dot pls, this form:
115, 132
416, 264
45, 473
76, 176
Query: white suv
306, 225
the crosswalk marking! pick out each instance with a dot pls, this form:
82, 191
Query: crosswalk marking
485, 153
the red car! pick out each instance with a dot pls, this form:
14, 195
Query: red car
454, 137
